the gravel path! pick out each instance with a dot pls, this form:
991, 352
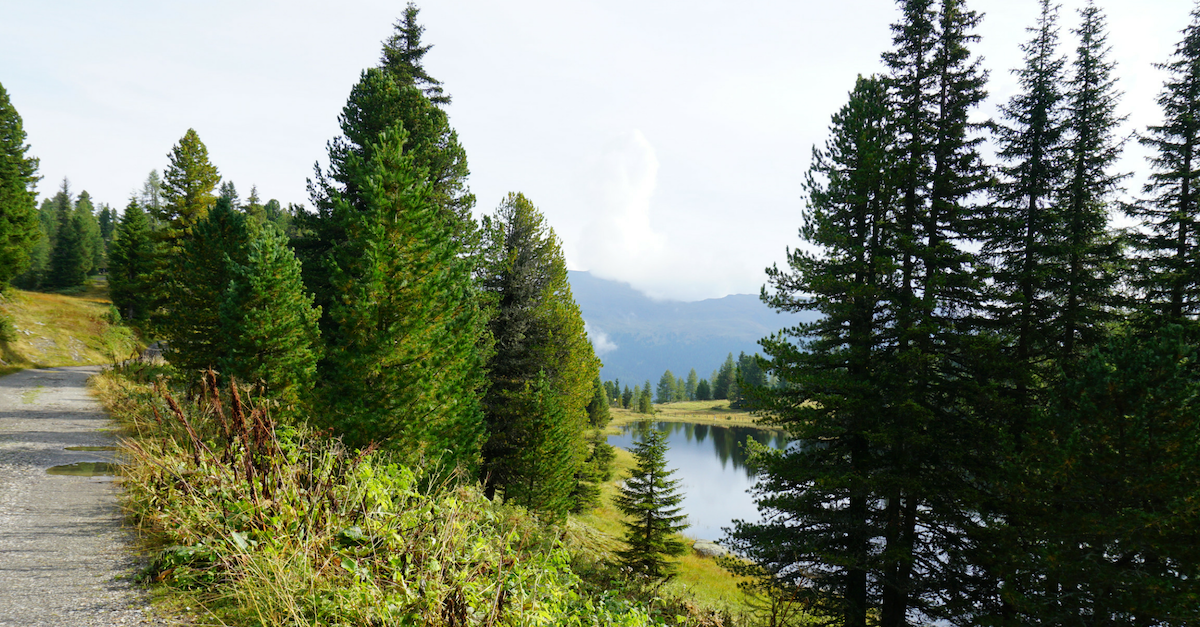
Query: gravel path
62, 546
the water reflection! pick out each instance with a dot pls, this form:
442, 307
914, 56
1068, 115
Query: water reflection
711, 461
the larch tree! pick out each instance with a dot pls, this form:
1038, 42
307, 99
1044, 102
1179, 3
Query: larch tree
665, 392
540, 356
690, 386
19, 230
1167, 273
186, 192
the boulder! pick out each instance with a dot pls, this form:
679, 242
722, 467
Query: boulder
706, 548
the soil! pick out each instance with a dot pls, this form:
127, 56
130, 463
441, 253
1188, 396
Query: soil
65, 558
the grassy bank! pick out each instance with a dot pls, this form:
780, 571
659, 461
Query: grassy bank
255, 525
700, 412
51, 330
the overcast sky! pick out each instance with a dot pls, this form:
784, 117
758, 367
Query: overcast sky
665, 141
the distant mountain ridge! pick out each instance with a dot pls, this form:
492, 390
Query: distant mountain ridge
639, 338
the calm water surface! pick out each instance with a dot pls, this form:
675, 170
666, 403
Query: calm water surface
710, 461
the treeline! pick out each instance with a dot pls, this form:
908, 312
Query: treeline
388, 314
724, 383
1002, 385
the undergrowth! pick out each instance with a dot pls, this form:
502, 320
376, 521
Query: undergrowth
269, 525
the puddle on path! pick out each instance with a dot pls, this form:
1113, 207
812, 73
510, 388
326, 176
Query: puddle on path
85, 469
91, 448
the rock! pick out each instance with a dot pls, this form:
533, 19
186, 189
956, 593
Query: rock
706, 548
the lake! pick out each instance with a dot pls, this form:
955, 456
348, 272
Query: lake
710, 462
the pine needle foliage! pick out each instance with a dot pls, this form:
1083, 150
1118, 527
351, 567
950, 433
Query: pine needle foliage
132, 260
401, 367
270, 323
18, 205
650, 498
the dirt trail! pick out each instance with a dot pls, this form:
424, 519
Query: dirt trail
62, 545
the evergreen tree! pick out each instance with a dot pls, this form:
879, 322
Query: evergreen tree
724, 378
256, 212
537, 334
1090, 253
650, 498
597, 409
229, 192
401, 366
690, 386
703, 390
92, 239
627, 397
1168, 276
132, 263
403, 54
18, 205
186, 192
108, 222
68, 258
666, 388
645, 399
191, 320
680, 391
150, 198
269, 322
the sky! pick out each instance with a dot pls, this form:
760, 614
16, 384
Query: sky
666, 141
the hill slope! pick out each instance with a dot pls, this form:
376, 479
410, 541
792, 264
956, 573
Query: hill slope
50, 330
639, 338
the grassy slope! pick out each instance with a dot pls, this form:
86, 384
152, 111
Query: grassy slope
62, 330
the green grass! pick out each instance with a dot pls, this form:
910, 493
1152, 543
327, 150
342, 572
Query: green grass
700, 412
51, 330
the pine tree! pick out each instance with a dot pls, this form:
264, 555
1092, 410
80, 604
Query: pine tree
401, 366
132, 263
690, 386
538, 335
834, 368
627, 398
666, 388
1090, 253
186, 192
92, 239
18, 205
269, 323
724, 379
645, 400
68, 258
650, 498
191, 320
703, 390
1168, 277
150, 198
403, 54
597, 409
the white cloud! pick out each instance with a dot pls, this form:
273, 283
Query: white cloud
600, 340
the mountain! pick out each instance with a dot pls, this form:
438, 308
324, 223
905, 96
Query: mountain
639, 338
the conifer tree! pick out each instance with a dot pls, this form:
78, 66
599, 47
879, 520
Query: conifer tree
597, 409
627, 397
703, 390
186, 192
1167, 275
538, 335
18, 206
191, 320
645, 400
132, 263
666, 388
689, 389
68, 259
92, 239
724, 379
650, 498
1090, 256
269, 322
403, 55
401, 366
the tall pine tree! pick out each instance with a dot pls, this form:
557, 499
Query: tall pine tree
132, 263
18, 207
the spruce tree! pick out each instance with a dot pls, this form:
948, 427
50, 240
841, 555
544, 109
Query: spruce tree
91, 237
537, 334
650, 498
724, 378
18, 206
597, 408
645, 400
269, 323
627, 398
665, 392
835, 368
132, 263
1167, 275
1090, 255
68, 259
401, 367
703, 390
690, 386
205, 263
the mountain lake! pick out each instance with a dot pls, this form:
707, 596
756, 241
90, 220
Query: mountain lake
710, 462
